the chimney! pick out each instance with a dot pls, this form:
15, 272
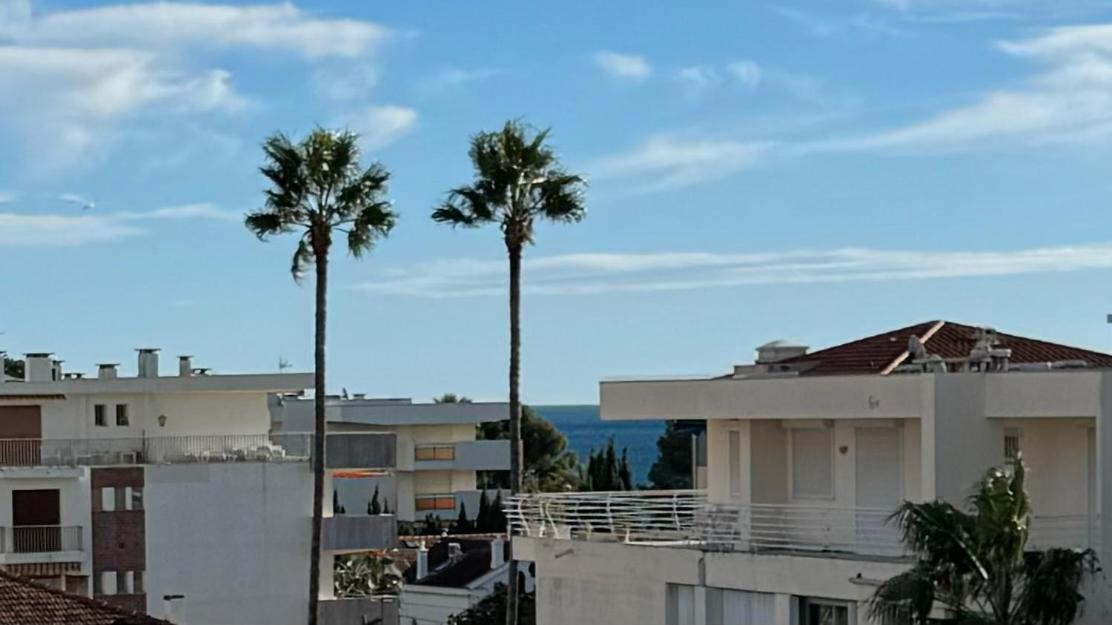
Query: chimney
56, 370
107, 371
38, 367
497, 552
777, 351
185, 366
422, 562
148, 362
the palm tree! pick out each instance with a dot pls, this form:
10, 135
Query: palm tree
319, 189
366, 575
518, 180
976, 566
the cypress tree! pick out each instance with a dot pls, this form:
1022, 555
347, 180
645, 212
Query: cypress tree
373, 506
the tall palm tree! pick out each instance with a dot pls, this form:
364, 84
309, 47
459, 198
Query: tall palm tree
319, 189
976, 566
518, 180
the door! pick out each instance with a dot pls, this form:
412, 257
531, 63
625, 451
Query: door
36, 517
878, 483
20, 434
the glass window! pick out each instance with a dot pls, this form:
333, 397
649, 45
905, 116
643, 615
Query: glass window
823, 612
137, 587
136, 499
434, 452
735, 463
99, 418
435, 502
121, 415
108, 499
121, 583
812, 462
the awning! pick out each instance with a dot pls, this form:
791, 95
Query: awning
42, 569
351, 474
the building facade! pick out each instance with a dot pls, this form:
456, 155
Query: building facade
808, 454
168, 494
439, 461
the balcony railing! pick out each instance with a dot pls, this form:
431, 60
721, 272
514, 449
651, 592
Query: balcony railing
40, 539
61, 452
687, 519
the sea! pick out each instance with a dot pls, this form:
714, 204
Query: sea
586, 431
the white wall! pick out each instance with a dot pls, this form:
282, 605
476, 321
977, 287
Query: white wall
232, 538
74, 500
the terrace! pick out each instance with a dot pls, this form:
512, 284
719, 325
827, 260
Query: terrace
685, 519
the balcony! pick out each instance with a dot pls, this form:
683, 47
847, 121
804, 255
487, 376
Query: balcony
358, 532
464, 455
687, 519
358, 450
41, 543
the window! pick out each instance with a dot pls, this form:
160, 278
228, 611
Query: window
434, 452
122, 586
825, 612
99, 418
1011, 444
735, 464
121, 415
679, 605
425, 503
137, 583
98, 584
812, 451
108, 499
134, 498
740, 607
121, 498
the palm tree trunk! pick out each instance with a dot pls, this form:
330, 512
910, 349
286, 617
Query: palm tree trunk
514, 250
321, 260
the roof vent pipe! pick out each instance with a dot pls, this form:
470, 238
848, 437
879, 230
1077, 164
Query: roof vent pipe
185, 366
148, 362
422, 562
108, 371
38, 367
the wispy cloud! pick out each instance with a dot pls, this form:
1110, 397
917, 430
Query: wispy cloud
623, 66
838, 24
451, 78
67, 229
8, 196
587, 274
379, 126
667, 162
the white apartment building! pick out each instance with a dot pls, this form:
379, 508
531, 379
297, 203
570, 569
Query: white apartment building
438, 457
169, 494
808, 454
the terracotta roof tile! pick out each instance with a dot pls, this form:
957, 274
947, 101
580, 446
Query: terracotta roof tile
23, 602
875, 354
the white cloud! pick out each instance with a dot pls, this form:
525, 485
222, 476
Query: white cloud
747, 73
584, 274
159, 25
60, 230
623, 66
8, 196
451, 78
699, 77
1069, 99
85, 227
665, 162
379, 126
69, 79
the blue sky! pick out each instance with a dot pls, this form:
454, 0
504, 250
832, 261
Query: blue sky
811, 171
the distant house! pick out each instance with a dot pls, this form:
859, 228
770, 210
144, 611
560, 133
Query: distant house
23, 602
450, 574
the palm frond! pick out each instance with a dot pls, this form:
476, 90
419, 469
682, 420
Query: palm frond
906, 598
265, 223
302, 257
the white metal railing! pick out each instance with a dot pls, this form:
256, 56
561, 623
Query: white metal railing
686, 518
27, 452
40, 538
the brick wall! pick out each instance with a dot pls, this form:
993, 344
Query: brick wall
119, 535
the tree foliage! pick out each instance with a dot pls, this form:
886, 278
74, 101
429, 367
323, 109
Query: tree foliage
976, 566
672, 468
549, 465
365, 575
463, 524
606, 471
13, 367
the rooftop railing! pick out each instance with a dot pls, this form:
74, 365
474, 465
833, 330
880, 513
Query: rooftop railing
272, 447
687, 519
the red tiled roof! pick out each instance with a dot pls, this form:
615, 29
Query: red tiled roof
23, 602
880, 353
